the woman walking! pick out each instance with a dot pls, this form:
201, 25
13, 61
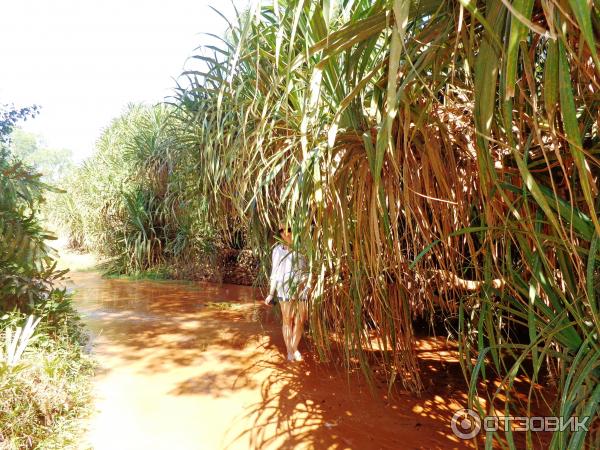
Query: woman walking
288, 286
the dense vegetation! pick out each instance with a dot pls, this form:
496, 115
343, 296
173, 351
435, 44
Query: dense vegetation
127, 202
44, 378
44, 373
429, 156
27, 268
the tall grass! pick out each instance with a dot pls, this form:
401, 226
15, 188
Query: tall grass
429, 156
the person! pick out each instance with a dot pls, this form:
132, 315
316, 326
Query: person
288, 287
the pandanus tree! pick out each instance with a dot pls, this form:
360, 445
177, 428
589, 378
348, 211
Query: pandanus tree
430, 156
126, 202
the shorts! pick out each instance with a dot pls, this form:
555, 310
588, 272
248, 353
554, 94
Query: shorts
289, 299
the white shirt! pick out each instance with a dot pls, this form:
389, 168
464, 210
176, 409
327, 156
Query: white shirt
287, 271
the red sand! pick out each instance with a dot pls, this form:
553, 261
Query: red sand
200, 366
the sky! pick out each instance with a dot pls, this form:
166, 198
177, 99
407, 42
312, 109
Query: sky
83, 61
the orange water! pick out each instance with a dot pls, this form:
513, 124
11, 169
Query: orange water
199, 366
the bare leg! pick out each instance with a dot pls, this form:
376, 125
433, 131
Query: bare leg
300, 318
286, 328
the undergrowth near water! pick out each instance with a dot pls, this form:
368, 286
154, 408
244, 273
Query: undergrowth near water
45, 377
44, 372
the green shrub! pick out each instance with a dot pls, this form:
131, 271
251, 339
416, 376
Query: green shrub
47, 391
27, 266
